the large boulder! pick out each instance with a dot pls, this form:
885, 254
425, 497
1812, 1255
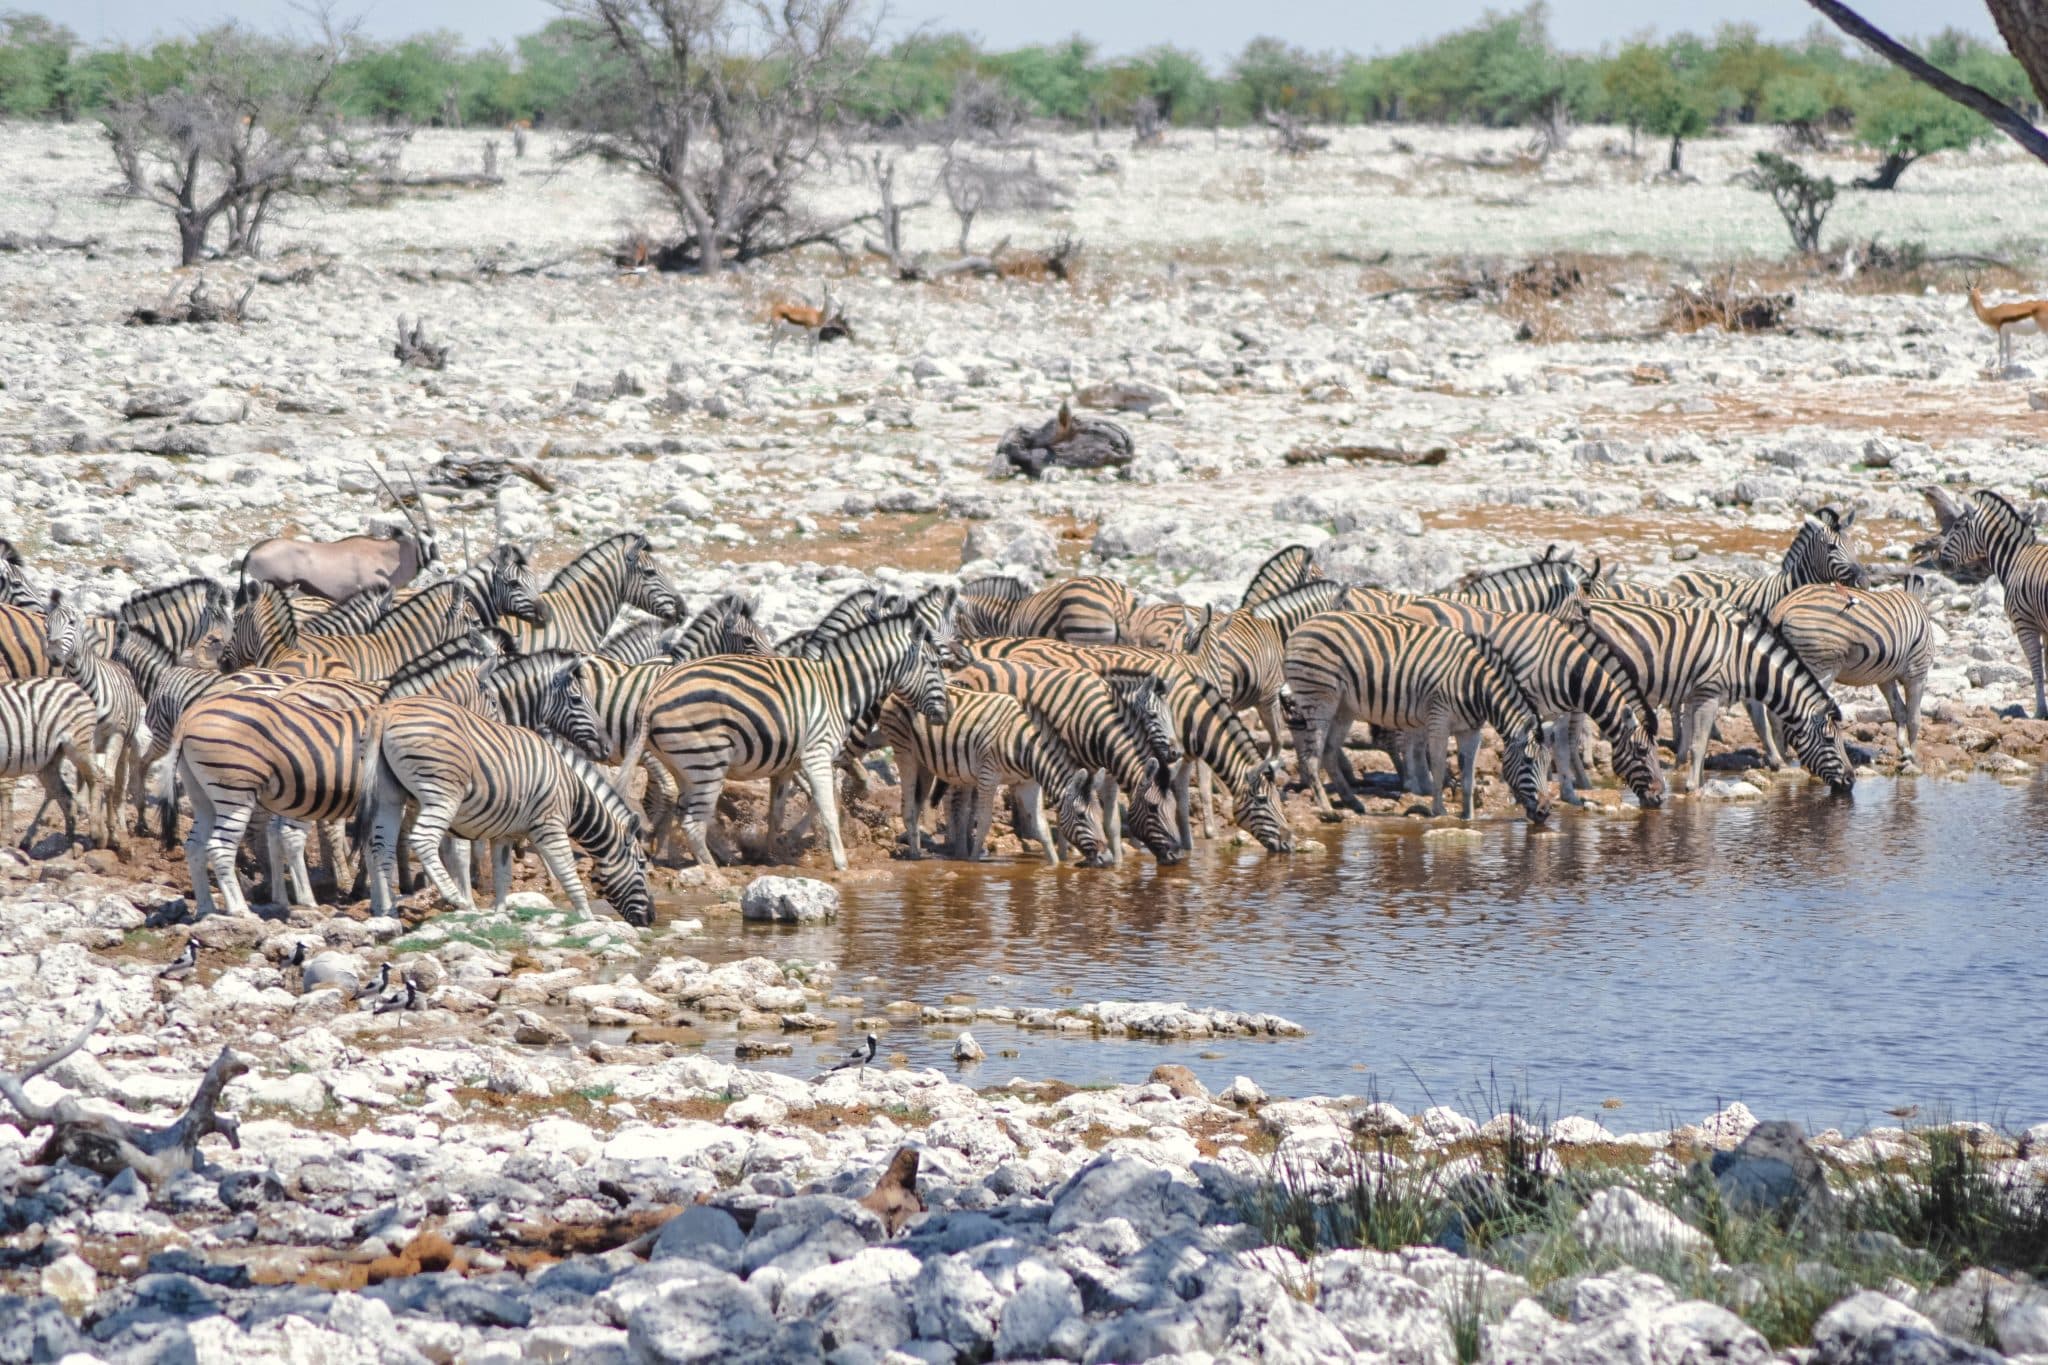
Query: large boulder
1385, 1316
1773, 1171
1148, 1197
789, 900
1620, 1220
704, 1321
1873, 1329
701, 1233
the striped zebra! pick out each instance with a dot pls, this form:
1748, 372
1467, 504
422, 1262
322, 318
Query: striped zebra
1403, 675
1603, 583
44, 723
1200, 720
856, 608
1990, 531
1566, 678
585, 596
1819, 553
14, 587
1697, 658
730, 716
1096, 724
1162, 625
1878, 638
1289, 568
990, 739
1081, 611
412, 628
118, 735
24, 651
474, 778
1549, 586
180, 615
263, 627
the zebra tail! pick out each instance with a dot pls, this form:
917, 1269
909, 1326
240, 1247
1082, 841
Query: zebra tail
370, 768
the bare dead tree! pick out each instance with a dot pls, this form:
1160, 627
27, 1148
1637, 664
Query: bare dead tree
881, 166
974, 186
248, 127
414, 351
1290, 137
723, 105
110, 1146
1146, 129
2024, 26
490, 159
199, 305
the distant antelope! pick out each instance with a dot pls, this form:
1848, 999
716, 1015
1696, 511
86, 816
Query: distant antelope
2006, 319
816, 323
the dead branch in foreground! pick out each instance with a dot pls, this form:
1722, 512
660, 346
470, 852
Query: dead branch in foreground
110, 1146
196, 307
1354, 454
415, 351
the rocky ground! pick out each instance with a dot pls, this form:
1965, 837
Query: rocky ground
487, 1178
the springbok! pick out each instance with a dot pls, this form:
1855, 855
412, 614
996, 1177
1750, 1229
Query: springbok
335, 569
825, 320
2008, 319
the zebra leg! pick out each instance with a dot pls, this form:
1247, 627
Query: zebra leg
1905, 711
501, 872
1027, 818
1338, 769
1183, 803
913, 809
1276, 726
1468, 768
1112, 816
380, 841
54, 791
222, 841
820, 773
695, 807
2030, 645
1558, 758
425, 842
778, 806
456, 856
1760, 720
558, 855
1704, 714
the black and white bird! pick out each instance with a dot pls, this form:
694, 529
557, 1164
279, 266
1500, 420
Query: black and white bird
184, 964
862, 1055
407, 999
378, 986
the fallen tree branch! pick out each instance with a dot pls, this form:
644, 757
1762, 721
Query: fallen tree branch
109, 1146
196, 307
43, 241
1355, 454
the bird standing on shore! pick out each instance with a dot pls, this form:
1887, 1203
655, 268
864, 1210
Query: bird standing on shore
378, 986
408, 999
861, 1055
182, 966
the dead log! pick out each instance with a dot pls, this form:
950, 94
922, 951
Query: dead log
1292, 138
1065, 442
43, 241
1721, 304
110, 1146
486, 472
1357, 454
304, 273
414, 351
895, 1198
198, 306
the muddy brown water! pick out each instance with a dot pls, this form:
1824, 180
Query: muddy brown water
1820, 959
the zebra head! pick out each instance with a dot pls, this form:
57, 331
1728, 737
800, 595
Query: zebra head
621, 871
1521, 764
1152, 818
921, 682
1074, 813
1635, 762
1258, 807
1143, 699
64, 629
14, 588
1820, 552
263, 628
1984, 533
1819, 749
647, 587
512, 590
934, 609
567, 712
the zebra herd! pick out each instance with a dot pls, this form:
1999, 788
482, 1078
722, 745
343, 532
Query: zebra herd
596, 714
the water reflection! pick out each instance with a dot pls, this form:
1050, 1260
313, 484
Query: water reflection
1818, 958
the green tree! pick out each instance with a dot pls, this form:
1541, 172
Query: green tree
1905, 120
1059, 81
35, 66
1647, 89
404, 82
559, 64
1274, 75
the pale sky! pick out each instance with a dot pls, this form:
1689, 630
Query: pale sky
1215, 28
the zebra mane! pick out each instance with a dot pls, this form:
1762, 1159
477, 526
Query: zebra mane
137, 602
1545, 570
998, 587
862, 636
252, 590
1288, 568
599, 561
1997, 505
1767, 638
597, 785
537, 669
1321, 593
1498, 662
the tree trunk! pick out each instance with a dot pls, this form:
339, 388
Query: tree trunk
2024, 26
192, 238
1677, 151
1887, 174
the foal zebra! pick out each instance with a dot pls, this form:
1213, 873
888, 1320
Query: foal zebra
1403, 675
1289, 568
1695, 659
735, 716
988, 740
1081, 611
1991, 531
476, 778
45, 722
585, 596
116, 701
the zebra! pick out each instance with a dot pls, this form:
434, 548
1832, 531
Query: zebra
45, 722
417, 625
1565, 677
14, 587
116, 700
1880, 639
726, 626
1201, 724
474, 778
1990, 530
1162, 625
735, 716
1289, 568
1550, 586
1097, 726
1082, 611
987, 740
584, 598
1819, 553
1600, 583
263, 627
1403, 675
856, 608
24, 651
1696, 658
180, 615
